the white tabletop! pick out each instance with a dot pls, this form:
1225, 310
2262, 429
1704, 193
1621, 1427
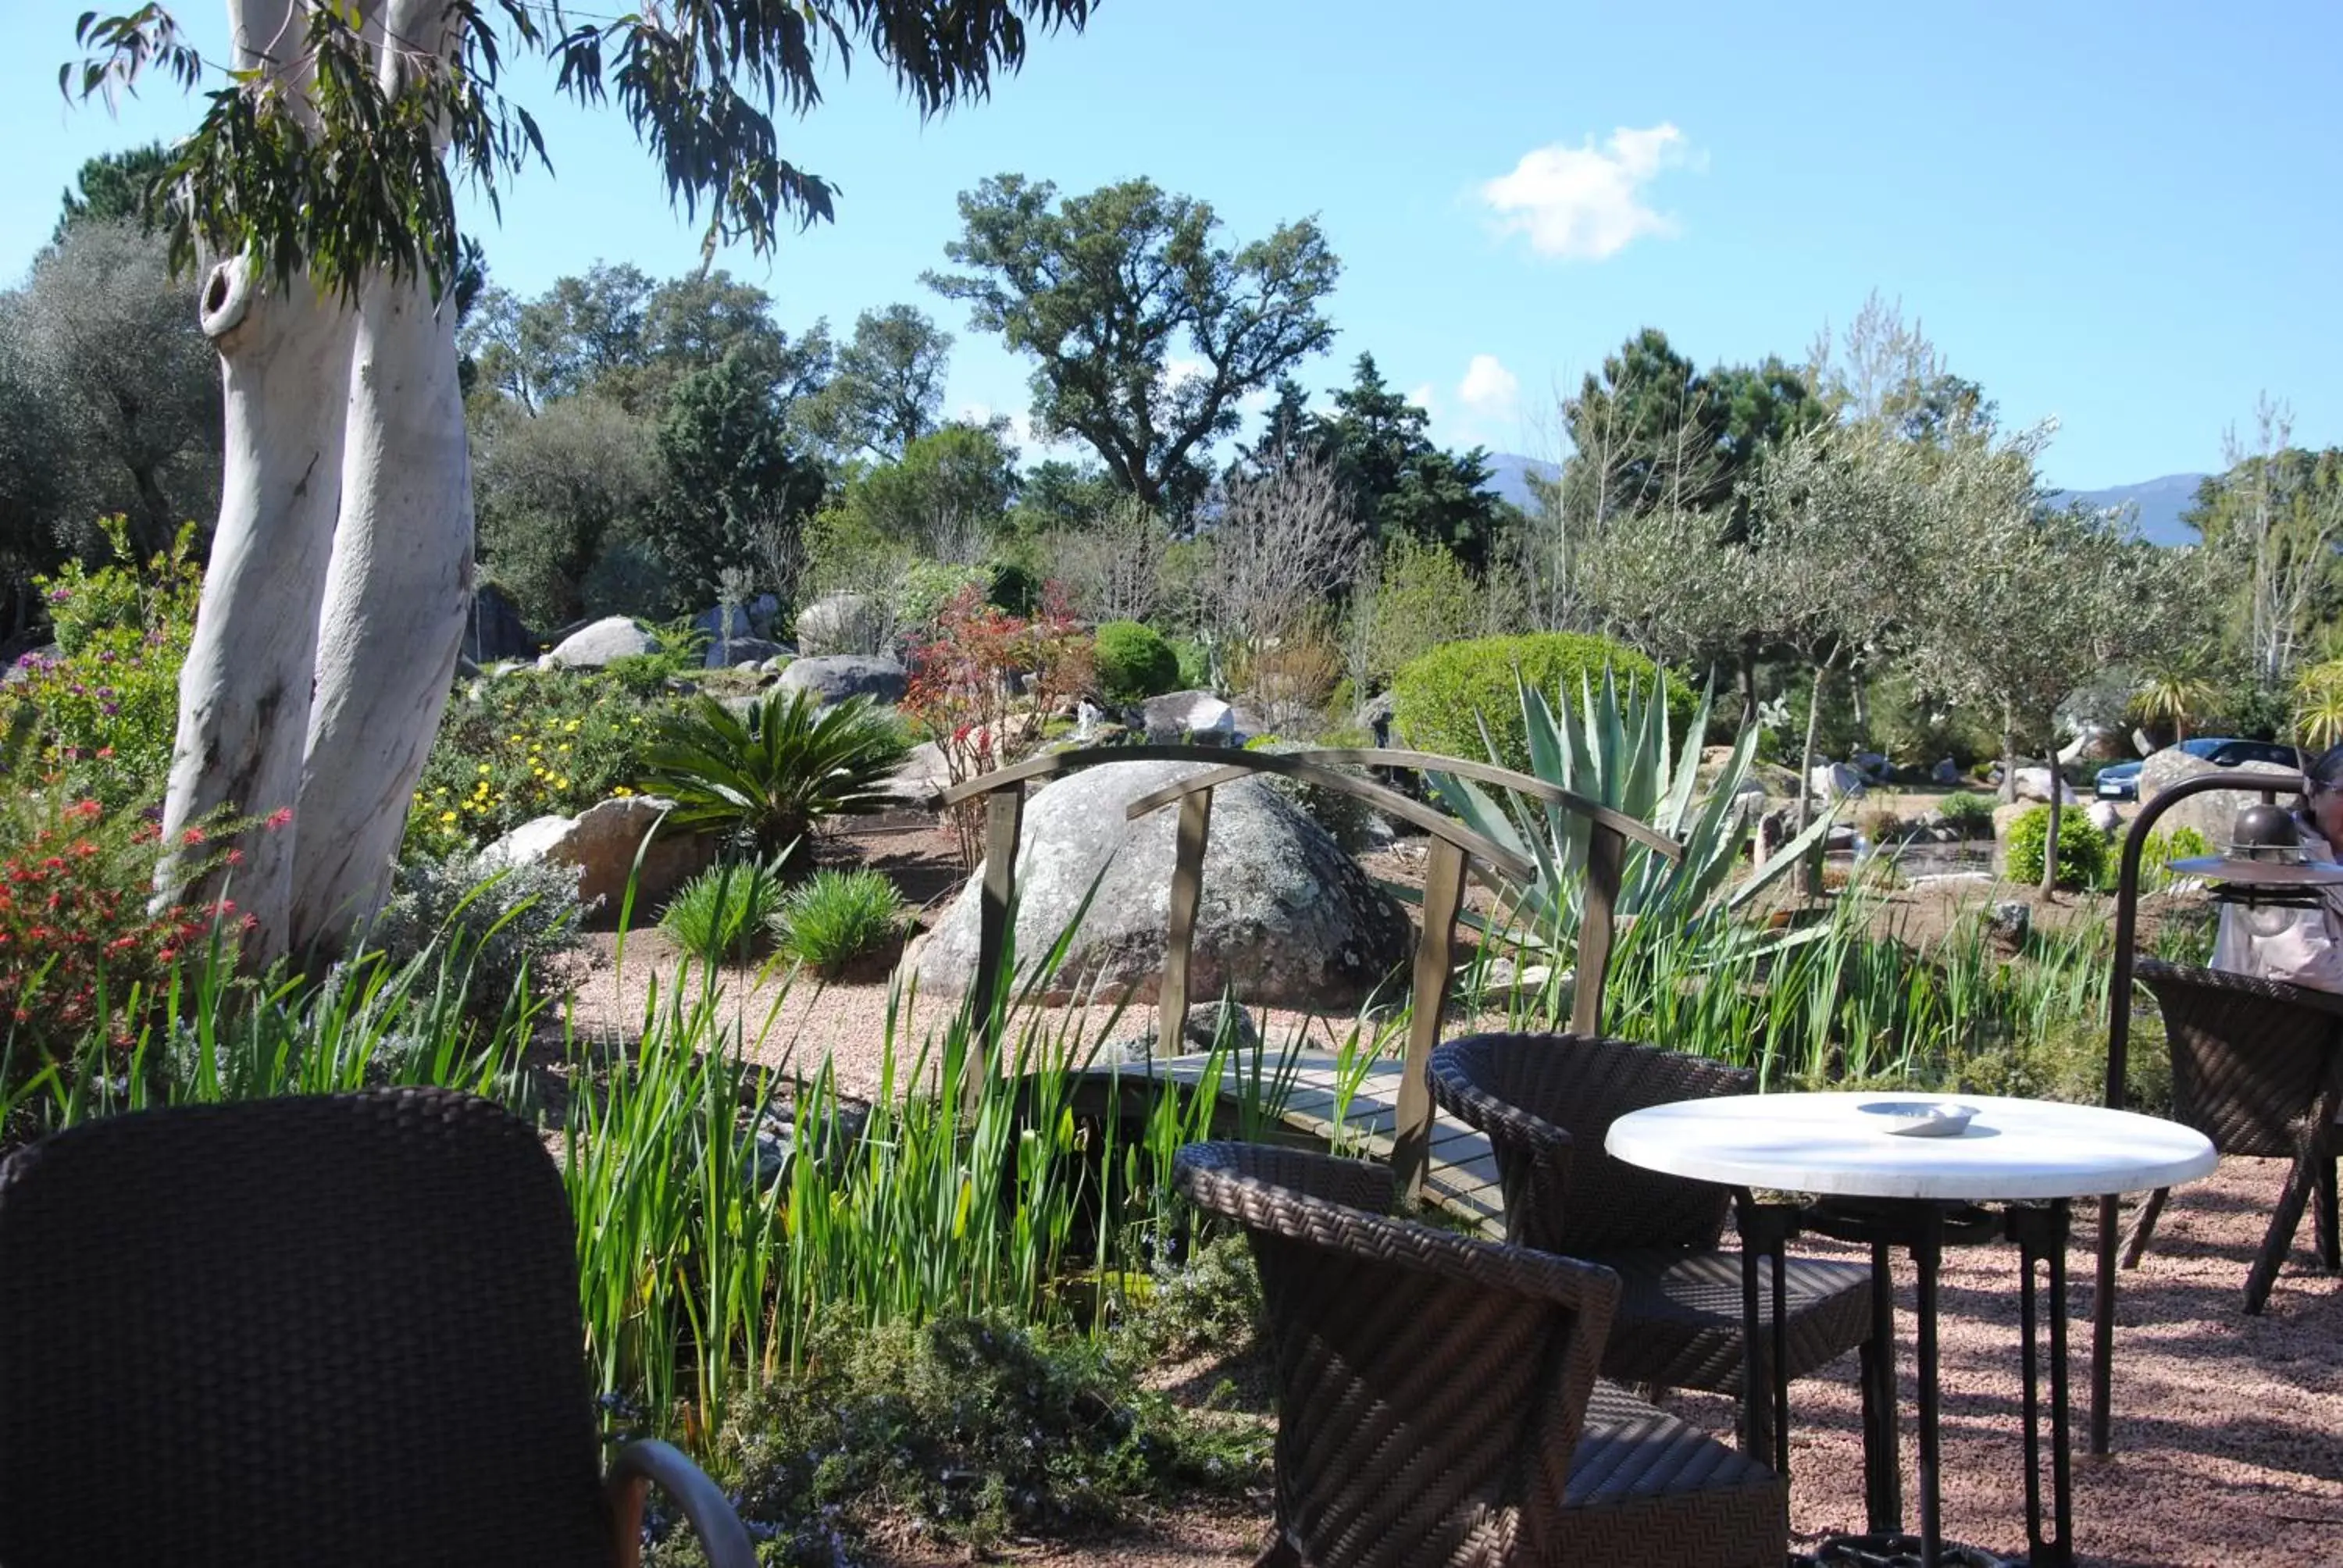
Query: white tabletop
1823, 1143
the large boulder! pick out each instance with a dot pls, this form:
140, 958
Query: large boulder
1196, 717
599, 642
2034, 784
601, 843
837, 676
711, 621
742, 649
838, 623
1837, 780
2213, 813
1286, 917
493, 628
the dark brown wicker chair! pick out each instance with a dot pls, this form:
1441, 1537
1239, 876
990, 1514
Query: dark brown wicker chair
2254, 1068
1546, 1102
305, 1332
1437, 1402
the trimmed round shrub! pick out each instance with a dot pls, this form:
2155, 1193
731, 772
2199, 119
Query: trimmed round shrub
1971, 813
1441, 700
2082, 847
1135, 662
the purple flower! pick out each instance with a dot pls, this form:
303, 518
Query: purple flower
109, 709
60, 595
105, 656
106, 691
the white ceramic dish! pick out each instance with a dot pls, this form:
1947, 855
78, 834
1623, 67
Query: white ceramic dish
1920, 1117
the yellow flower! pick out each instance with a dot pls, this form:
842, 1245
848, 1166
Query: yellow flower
517, 739
570, 728
447, 816
561, 783
565, 748
486, 768
621, 791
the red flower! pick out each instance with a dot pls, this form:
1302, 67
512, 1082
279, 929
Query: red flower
236, 857
281, 817
192, 835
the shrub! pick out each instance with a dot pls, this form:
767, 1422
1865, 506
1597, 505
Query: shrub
1135, 662
1969, 812
1440, 701
1013, 588
964, 1429
834, 917
1195, 665
1422, 597
726, 911
81, 946
2082, 847
532, 743
496, 924
769, 776
961, 692
101, 715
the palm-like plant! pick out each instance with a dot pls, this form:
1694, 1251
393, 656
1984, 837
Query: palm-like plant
2319, 705
1622, 754
2177, 697
771, 775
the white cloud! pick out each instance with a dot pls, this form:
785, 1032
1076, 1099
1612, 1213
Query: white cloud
1179, 368
1586, 203
1425, 398
1489, 389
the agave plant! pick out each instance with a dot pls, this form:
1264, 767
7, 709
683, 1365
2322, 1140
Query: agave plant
1622, 754
771, 775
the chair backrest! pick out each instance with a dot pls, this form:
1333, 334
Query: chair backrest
1582, 1083
2251, 1059
1430, 1389
338, 1329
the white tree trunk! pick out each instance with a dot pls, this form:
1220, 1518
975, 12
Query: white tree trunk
401, 576
244, 691
393, 622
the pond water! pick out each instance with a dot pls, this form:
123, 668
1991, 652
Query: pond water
1926, 859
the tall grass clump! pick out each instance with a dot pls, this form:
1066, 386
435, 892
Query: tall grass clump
724, 912
836, 917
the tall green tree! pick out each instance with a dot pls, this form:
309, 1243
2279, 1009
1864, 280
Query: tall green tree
1111, 290
1404, 486
117, 186
554, 490
321, 175
889, 386
733, 475
2271, 525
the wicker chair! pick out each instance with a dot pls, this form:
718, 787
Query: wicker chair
311, 1330
2255, 1068
1437, 1402
1546, 1102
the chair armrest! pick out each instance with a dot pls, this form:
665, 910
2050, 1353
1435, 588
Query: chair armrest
633, 1470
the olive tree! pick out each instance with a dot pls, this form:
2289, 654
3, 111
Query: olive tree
318, 187
2020, 605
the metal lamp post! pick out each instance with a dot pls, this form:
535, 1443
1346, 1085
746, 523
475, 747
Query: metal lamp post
2263, 872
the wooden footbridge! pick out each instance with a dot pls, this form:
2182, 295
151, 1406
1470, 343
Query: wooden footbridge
1385, 1110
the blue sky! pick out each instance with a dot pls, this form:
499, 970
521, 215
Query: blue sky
2124, 216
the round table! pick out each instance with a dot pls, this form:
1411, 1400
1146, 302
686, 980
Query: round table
1892, 1190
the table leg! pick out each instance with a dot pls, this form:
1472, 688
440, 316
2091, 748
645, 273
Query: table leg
1765, 1231
2103, 1329
2041, 1237
1928, 1257
1882, 1480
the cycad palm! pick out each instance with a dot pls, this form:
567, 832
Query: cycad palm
773, 773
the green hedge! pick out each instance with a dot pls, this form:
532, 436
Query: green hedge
1135, 662
1435, 698
2082, 847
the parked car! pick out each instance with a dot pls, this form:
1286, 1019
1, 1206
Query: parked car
2121, 781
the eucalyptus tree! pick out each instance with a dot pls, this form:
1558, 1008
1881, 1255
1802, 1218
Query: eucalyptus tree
321, 183
2272, 525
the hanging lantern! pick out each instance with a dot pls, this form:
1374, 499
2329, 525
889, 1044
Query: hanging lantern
2265, 871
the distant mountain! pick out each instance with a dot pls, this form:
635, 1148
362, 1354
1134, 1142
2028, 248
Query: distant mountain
2158, 503
1509, 475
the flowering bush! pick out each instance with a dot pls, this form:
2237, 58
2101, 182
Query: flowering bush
528, 744
962, 694
84, 942
101, 713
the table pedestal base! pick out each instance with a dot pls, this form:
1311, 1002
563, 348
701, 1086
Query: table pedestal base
1924, 1228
